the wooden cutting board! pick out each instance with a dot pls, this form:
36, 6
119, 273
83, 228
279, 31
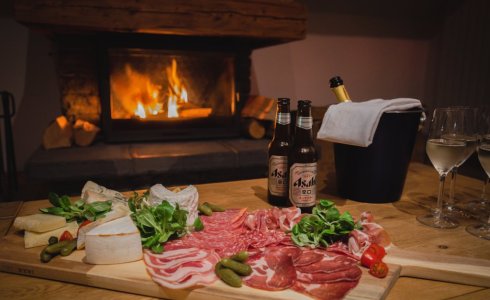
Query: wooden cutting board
133, 278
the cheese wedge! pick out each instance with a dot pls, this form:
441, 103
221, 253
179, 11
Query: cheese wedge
39, 222
114, 242
118, 211
34, 239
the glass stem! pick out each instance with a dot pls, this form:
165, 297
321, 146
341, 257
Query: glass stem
450, 202
484, 191
438, 212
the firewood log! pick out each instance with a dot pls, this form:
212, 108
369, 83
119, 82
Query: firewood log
84, 133
253, 128
58, 134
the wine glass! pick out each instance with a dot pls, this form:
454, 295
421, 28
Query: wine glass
444, 153
480, 206
483, 230
468, 134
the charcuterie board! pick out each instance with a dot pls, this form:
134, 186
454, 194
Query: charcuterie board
133, 278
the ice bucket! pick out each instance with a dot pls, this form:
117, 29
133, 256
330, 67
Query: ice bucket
376, 174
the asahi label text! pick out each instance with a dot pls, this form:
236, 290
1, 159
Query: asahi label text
278, 175
302, 188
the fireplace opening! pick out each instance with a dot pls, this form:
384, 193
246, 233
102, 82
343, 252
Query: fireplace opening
172, 88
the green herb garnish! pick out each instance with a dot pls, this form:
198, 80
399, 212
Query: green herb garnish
323, 227
157, 224
79, 210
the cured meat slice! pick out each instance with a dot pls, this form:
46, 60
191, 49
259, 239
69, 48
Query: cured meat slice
330, 291
308, 257
195, 267
274, 269
330, 262
351, 273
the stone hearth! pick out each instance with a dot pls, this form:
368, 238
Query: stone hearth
133, 166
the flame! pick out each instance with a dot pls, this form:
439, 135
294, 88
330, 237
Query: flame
140, 111
139, 96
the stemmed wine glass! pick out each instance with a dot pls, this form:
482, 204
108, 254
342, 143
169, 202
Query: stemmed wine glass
483, 230
468, 134
444, 153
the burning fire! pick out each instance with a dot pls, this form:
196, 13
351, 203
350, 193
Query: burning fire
139, 96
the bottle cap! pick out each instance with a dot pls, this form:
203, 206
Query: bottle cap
302, 103
282, 100
336, 81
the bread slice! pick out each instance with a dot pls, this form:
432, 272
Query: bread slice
114, 242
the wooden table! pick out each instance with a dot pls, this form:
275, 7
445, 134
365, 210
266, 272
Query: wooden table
398, 219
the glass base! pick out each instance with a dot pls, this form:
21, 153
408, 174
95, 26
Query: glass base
437, 222
480, 230
478, 209
454, 212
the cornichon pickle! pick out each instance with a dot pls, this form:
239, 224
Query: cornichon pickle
205, 209
45, 257
56, 248
238, 267
68, 249
53, 240
228, 276
241, 256
214, 207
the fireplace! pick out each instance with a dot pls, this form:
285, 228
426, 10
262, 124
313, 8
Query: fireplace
171, 88
160, 70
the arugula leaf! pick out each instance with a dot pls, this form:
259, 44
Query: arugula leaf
323, 227
157, 224
79, 210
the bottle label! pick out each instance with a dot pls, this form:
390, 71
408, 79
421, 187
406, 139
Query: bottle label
283, 118
305, 122
278, 175
302, 188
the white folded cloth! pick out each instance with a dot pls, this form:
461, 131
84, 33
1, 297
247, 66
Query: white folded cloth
354, 123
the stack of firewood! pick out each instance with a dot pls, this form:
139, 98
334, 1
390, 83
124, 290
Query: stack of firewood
258, 117
62, 133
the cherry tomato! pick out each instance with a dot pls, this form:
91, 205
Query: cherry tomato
84, 223
372, 254
379, 269
66, 236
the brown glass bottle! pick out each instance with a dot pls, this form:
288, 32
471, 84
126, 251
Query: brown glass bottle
277, 193
302, 161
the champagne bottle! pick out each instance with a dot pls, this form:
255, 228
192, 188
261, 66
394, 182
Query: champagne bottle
338, 88
279, 147
302, 161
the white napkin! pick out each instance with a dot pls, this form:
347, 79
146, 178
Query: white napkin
354, 123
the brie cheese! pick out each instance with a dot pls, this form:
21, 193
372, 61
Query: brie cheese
118, 211
187, 199
114, 242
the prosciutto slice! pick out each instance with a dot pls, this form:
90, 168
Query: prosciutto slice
182, 268
274, 269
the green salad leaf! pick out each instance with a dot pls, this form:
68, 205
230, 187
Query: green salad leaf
79, 210
323, 227
157, 224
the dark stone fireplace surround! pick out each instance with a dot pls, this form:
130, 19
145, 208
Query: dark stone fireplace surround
248, 25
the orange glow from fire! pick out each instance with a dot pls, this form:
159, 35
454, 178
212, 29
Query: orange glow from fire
140, 97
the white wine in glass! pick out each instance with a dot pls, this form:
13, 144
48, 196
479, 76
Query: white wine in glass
444, 153
483, 230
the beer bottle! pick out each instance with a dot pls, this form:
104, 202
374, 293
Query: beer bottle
338, 88
278, 156
302, 161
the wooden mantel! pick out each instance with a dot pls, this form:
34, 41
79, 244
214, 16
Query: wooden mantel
275, 20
